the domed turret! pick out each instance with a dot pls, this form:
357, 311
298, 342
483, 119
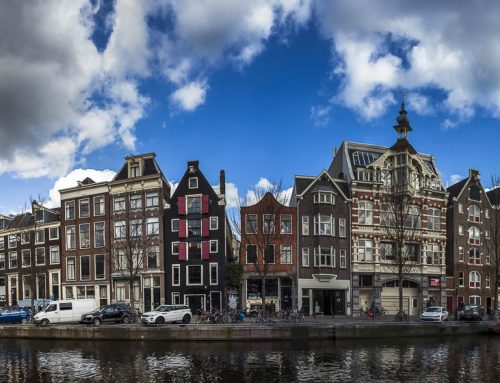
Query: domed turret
403, 126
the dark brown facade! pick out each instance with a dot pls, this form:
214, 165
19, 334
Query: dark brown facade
268, 251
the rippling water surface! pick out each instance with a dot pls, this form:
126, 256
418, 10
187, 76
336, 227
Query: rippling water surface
474, 359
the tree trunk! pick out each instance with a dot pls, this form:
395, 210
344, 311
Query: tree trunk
400, 291
264, 314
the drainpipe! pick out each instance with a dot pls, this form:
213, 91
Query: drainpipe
350, 260
297, 251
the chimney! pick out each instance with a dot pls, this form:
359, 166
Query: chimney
474, 174
222, 188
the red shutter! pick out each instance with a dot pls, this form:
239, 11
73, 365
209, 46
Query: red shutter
182, 251
182, 228
205, 250
204, 227
204, 204
181, 205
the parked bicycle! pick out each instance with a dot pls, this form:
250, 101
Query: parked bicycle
494, 315
401, 316
260, 317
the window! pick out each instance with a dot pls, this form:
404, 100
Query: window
487, 213
2, 261
461, 279
136, 201
84, 208
194, 275
12, 241
412, 217
251, 224
342, 228
136, 227
460, 229
40, 236
39, 215
386, 251
120, 229
118, 203
214, 274
26, 258
269, 254
194, 251
474, 280
305, 225
214, 223
70, 238
70, 268
194, 227
365, 250
460, 208
99, 205
305, 256
286, 254
365, 280
175, 248
176, 299
153, 257
323, 225
432, 254
68, 295
84, 236
85, 268
343, 258
41, 286
120, 291
324, 256
364, 175
286, 224
365, 213
151, 199
193, 183
153, 226
99, 266
25, 238
474, 235
213, 246
268, 224
176, 275
324, 197
487, 258
474, 257
121, 261
134, 169
474, 213
460, 253
175, 224
70, 209
40, 256
54, 255
475, 300
99, 234
193, 204
412, 252
487, 281
251, 254
53, 233
2, 243
433, 219
487, 233
13, 259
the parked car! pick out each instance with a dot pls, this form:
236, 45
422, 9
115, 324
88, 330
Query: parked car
15, 315
116, 313
167, 313
65, 311
435, 314
470, 312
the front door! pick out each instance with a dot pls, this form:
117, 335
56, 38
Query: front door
339, 302
286, 298
195, 302
215, 300
488, 305
151, 298
449, 304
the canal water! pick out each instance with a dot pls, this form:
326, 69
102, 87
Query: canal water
474, 359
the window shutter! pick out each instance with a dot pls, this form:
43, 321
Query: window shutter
181, 205
205, 250
182, 251
204, 204
204, 227
182, 228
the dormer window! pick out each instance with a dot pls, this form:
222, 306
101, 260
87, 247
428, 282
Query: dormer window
2, 224
39, 215
401, 159
364, 175
134, 169
324, 197
193, 183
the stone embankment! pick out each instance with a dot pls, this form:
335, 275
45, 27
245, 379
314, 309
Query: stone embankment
247, 332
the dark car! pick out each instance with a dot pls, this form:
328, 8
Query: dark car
15, 315
115, 313
470, 312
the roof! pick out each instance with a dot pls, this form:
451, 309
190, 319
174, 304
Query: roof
494, 196
457, 188
150, 166
302, 182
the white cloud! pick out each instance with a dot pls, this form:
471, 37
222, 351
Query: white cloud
254, 194
72, 179
320, 115
190, 96
454, 178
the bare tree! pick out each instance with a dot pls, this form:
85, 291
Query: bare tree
266, 236
493, 242
401, 227
134, 238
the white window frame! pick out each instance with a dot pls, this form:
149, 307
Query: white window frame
281, 254
216, 246
172, 224
37, 241
96, 214
118, 203
272, 228
305, 225
216, 266
90, 271
256, 224
103, 234
461, 254
137, 198
324, 219
176, 267
50, 233
2, 258
95, 267
460, 207
460, 229
50, 255
474, 280
487, 281
343, 259
152, 199
80, 235
80, 208
22, 258
342, 228
11, 253
214, 220
9, 242
364, 247
74, 271
305, 255
123, 229
68, 247
318, 257
366, 207
195, 185
281, 224
44, 256
152, 222
461, 279
172, 247
66, 210
187, 275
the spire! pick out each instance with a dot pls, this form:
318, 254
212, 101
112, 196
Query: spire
403, 126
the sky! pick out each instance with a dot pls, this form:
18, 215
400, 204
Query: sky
264, 89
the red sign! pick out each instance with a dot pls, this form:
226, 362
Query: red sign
434, 282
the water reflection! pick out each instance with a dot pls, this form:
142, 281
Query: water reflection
463, 360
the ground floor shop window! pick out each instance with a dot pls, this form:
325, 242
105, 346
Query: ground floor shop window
69, 292
85, 292
254, 289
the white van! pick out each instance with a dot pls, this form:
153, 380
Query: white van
64, 311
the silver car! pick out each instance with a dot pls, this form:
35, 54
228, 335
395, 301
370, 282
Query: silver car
167, 314
435, 314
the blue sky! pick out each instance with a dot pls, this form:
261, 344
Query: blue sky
262, 89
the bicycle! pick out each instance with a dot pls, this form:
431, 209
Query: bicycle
259, 318
494, 315
401, 316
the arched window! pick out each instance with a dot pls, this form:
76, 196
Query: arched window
474, 257
365, 213
474, 279
474, 213
474, 235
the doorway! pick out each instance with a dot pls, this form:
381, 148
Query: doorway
196, 302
